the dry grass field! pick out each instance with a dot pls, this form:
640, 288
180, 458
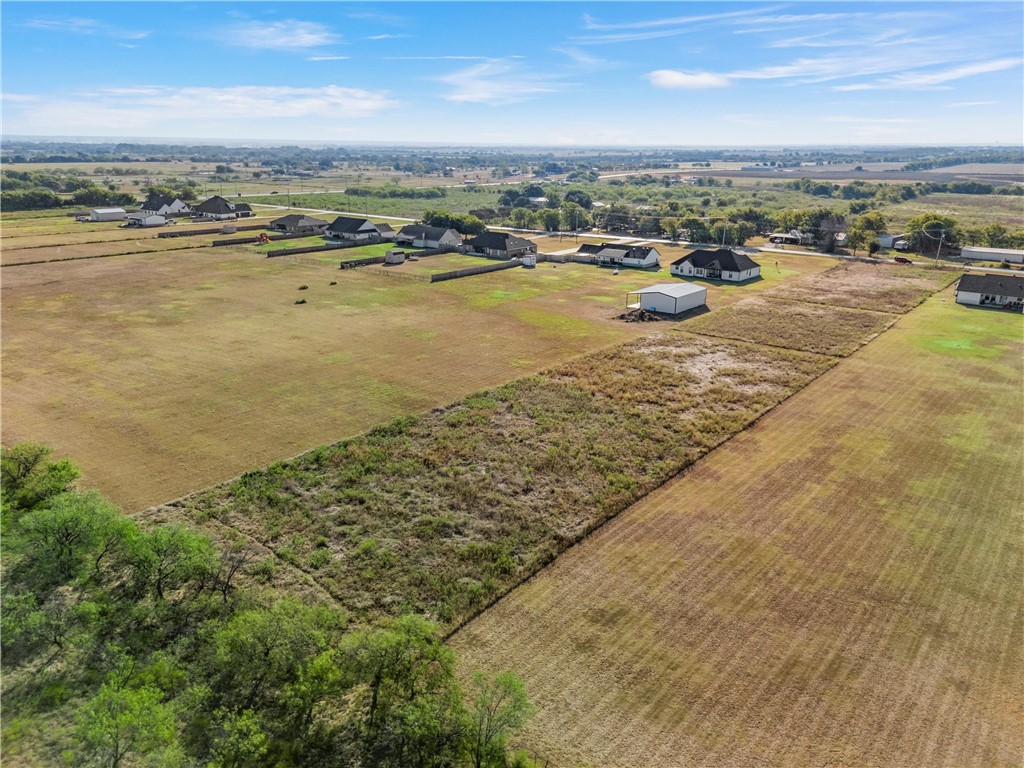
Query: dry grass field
882, 288
164, 372
795, 325
839, 585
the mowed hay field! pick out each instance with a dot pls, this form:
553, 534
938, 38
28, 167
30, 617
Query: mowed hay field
165, 373
838, 585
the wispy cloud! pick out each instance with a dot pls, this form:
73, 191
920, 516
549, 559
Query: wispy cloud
589, 22
869, 120
935, 78
498, 81
584, 60
962, 104
286, 35
670, 78
444, 58
82, 26
164, 110
384, 37
326, 58
391, 19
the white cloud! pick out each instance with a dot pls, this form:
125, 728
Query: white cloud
287, 35
498, 81
444, 58
671, 78
960, 104
384, 37
326, 58
584, 60
182, 111
908, 80
82, 26
589, 22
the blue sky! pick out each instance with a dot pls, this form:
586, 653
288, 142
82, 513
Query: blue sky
580, 73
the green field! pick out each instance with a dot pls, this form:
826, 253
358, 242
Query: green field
839, 585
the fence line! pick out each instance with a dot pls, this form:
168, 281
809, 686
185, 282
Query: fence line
210, 231
402, 275
466, 272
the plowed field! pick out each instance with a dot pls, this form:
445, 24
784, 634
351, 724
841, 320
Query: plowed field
839, 585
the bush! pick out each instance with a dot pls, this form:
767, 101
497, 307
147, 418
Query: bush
300, 301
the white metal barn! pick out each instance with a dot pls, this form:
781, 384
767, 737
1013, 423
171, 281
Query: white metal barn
142, 219
1011, 255
107, 214
668, 298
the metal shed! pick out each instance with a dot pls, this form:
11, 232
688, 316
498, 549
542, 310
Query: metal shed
668, 298
107, 214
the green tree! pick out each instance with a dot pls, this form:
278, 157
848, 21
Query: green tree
671, 227
523, 218
931, 231
171, 555
551, 219
238, 740
579, 197
498, 708
28, 477
117, 722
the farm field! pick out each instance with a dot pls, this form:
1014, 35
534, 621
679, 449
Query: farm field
967, 210
160, 380
838, 585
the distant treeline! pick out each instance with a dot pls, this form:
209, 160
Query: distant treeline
38, 190
894, 193
981, 156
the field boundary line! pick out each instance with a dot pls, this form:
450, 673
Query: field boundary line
192, 247
599, 524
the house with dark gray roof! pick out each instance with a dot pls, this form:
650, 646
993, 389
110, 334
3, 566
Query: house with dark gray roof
618, 255
500, 245
217, 207
717, 264
352, 228
298, 224
1002, 291
422, 236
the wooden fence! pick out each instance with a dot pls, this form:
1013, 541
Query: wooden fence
209, 231
483, 268
402, 275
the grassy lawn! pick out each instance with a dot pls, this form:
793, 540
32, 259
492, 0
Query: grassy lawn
838, 585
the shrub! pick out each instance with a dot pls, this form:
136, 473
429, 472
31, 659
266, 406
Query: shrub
300, 301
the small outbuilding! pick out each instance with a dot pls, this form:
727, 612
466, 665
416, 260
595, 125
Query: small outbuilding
719, 264
1011, 255
668, 298
298, 224
999, 291
143, 219
107, 214
394, 257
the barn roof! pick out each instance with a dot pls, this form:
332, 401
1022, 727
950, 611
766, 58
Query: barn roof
723, 258
675, 290
617, 250
996, 285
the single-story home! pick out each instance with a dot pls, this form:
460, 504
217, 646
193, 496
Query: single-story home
145, 219
616, 255
668, 298
500, 245
387, 232
351, 228
719, 264
217, 207
298, 224
1004, 291
1011, 255
423, 236
164, 205
107, 214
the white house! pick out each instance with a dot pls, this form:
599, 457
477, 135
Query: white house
107, 214
1001, 291
719, 264
668, 298
144, 219
350, 228
423, 236
163, 205
992, 254
616, 255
